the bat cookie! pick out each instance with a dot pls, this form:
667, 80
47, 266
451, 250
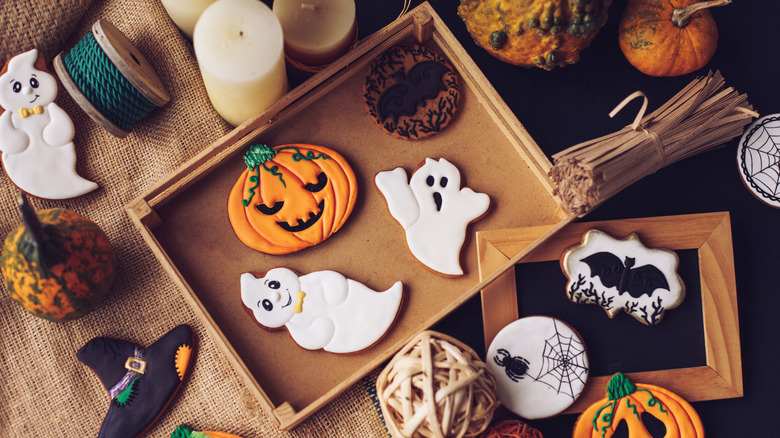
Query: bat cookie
411, 92
623, 275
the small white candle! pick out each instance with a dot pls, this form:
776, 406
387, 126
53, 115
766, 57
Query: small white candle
185, 13
240, 50
316, 32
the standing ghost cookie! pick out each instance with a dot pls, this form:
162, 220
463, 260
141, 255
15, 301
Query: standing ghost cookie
322, 309
434, 211
36, 135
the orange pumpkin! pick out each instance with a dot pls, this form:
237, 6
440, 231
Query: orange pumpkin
638, 411
291, 197
668, 37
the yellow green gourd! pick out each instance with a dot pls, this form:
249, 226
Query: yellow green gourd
540, 33
57, 264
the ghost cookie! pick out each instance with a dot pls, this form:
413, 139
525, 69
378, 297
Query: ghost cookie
291, 197
411, 92
540, 365
36, 135
623, 275
323, 309
434, 211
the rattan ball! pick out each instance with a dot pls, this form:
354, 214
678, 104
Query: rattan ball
511, 429
438, 387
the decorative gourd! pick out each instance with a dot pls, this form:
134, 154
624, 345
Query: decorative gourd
541, 33
57, 264
638, 410
668, 37
291, 197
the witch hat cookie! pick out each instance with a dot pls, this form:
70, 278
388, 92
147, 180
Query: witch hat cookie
140, 382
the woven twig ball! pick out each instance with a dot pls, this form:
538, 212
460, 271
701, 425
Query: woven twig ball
511, 429
438, 387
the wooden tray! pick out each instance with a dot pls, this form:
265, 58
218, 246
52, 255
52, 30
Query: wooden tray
709, 234
184, 218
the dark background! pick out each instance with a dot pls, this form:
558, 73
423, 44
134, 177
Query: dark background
566, 106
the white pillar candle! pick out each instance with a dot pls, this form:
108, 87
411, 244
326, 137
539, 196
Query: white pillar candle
240, 50
316, 32
185, 13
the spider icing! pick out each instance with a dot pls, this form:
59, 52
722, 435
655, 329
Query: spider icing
36, 135
323, 309
434, 211
540, 365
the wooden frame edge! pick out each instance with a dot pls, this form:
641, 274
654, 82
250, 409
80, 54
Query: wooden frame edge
708, 233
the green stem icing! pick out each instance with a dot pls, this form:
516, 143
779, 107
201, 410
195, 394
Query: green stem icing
653, 401
255, 179
182, 431
619, 386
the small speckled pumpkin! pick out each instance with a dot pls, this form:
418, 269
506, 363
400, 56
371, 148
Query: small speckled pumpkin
541, 33
57, 264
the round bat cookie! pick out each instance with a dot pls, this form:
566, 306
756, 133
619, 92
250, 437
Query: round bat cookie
36, 135
623, 275
540, 365
434, 211
322, 309
411, 92
291, 197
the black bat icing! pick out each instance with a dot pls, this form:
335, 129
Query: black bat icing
421, 83
614, 273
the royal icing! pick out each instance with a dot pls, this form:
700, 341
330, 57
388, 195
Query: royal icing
291, 197
433, 211
36, 134
323, 309
623, 275
540, 365
758, 158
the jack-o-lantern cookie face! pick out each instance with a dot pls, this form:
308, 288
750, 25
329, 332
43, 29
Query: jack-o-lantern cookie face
291, 197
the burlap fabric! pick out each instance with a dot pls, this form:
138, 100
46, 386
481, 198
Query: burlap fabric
45, 390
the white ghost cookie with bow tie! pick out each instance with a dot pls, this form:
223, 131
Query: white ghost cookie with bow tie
36, 135
434, 211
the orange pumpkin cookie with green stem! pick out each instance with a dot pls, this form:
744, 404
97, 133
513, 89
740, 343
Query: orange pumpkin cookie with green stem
291, 197
638, 410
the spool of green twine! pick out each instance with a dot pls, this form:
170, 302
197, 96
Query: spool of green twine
113, 82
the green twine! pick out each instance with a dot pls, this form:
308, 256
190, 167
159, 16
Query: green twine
104, 86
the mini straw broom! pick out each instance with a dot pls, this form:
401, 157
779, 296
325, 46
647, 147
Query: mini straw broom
702, 116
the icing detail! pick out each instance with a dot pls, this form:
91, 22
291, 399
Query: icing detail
126, 396
623, 275
540, 366
433, 211
297, 198
37, 152
422, 82
341, 315
182, 360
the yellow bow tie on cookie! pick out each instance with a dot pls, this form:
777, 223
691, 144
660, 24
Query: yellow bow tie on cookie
24, 112
298, 307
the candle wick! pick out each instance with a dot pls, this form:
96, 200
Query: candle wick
241, 33
308, 6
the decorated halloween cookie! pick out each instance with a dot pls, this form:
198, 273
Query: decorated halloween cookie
540, 365
638, 410
36, 135
141, 382
511, 429
623, 275
434, 211
411, 92
291, 197
323, 309
758, 158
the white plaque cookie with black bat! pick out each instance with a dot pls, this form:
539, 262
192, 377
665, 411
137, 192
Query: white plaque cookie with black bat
623, 275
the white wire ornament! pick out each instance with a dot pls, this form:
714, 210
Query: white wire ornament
758, 158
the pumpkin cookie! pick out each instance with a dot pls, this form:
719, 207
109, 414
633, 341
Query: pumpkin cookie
411, 92
291, 197
638, 410
323, 309
623, 275
141, 382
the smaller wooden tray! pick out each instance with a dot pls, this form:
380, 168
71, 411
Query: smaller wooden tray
709, 234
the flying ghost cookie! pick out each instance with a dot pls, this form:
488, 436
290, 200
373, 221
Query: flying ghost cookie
323, 309
434, 211
36, 135
623, 275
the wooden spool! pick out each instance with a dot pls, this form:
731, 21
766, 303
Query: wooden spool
130, 62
